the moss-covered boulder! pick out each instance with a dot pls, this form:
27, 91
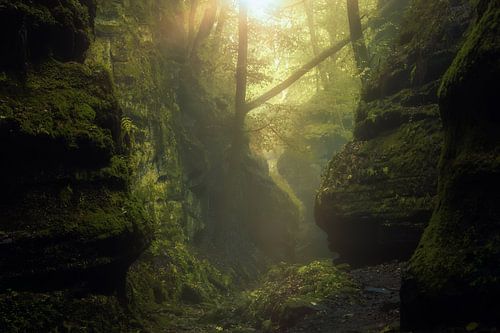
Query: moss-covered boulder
378, 192
454, 276
289, 293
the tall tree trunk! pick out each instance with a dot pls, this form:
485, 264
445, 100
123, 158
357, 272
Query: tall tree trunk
241, 81
357, 39
191, 24
321, 77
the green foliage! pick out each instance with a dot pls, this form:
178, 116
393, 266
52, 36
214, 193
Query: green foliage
128, 132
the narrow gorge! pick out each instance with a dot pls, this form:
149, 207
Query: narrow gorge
249, 166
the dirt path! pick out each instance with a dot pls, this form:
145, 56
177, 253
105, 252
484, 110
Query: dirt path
375, 309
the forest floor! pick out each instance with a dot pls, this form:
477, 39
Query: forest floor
375, 309
366, 300
371, 307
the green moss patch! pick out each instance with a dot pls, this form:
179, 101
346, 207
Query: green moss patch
289, 292
60, 114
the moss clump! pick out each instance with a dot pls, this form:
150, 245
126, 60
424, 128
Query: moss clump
182, 273
286, 288
170, 287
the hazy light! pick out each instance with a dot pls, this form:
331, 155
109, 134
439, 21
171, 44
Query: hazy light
260, 9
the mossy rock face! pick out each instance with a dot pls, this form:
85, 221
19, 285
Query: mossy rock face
423, 51
65, 186
88, 237
169, 161
453, 278
31, 31
60, 118
69, 225
377, 194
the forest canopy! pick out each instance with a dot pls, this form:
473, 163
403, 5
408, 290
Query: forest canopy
281, 66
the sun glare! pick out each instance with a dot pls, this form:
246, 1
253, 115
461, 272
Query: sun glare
261, 9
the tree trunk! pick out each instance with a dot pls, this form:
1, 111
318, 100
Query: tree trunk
241, 82
357, 39
191, 24
321, 78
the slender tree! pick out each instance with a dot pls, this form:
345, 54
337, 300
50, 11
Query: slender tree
357, 39
191, 22
241, 79
322, 79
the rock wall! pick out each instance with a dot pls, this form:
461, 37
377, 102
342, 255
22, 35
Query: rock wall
378, 192
112, 170
453, 277
70, 225
135, 42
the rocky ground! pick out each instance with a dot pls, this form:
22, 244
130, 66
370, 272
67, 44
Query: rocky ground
372, 307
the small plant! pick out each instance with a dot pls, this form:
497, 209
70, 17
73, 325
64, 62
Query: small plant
128, 132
